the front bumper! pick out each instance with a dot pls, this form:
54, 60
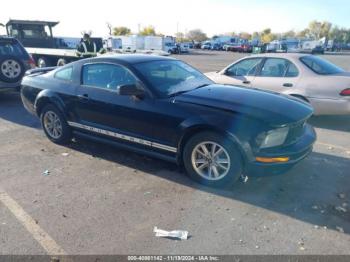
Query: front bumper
28, 105
295, 152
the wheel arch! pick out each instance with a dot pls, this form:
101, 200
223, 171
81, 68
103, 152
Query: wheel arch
300, 96
48, 97
196, 129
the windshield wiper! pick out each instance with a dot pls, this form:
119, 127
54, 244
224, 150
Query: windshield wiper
185, 91
178, 93
204, 85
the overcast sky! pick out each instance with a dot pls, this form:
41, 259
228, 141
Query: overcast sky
212, 16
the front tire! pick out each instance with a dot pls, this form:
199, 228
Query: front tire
212, 159
54, 124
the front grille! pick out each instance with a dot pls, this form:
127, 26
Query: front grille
295, 132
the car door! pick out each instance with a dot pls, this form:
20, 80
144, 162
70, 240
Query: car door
241, 73
99, 105
277, 74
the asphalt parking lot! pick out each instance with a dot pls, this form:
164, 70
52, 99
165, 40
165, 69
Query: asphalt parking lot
102, 200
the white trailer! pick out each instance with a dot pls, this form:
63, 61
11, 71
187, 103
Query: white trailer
166, 44
132, 42
154, 43
312, 44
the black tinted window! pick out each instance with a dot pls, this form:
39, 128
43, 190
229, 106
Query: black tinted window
320, 66
106, 76
35, 31
8, 47
245, 67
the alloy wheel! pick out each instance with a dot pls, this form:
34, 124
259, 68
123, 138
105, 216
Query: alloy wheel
210, 160
52, 124
11, 69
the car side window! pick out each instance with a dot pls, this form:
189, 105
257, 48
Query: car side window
274, 67
64, 74
292, 71
107, 76
11, 48
246, 67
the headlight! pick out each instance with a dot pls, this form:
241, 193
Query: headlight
275, 137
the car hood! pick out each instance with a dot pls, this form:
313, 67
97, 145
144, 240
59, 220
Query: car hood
213, 76
211, 73
273, 108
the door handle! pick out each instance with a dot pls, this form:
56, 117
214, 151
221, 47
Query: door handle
287, 84
246, 82
84, 97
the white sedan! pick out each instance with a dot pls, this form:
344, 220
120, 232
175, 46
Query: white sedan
324, 85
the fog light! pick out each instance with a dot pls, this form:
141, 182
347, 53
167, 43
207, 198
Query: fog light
272, 159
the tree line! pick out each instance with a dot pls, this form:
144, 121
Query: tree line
315, 30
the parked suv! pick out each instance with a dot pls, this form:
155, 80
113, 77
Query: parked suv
14, 62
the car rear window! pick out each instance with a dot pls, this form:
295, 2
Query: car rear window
64, 74
320, 66
11, 47
292, 71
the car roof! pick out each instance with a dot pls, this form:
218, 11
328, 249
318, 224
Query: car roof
281, 55
31, 22
132, 58
8, 39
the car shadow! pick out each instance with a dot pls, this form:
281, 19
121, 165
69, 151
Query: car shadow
11, 109
309, 192
339, 123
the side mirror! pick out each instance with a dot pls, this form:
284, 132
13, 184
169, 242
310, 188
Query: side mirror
236, 72
130, 90
228, 73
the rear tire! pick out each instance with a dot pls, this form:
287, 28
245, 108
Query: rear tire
43, 62
61, 62
212, 159
55, 125
11, 69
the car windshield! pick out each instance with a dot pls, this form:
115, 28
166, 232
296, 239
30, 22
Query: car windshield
169, 78
320, 66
